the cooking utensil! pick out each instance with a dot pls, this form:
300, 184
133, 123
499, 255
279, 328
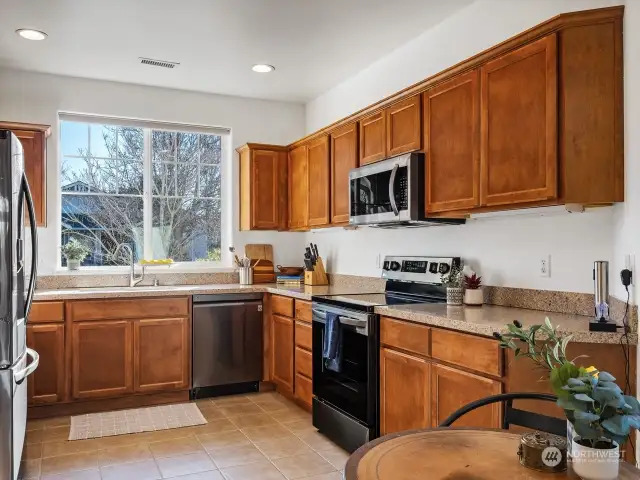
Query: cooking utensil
308, 264
315, 251
236, 259
314, 259
290, 270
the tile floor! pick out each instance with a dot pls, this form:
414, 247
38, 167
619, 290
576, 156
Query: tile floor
260, 436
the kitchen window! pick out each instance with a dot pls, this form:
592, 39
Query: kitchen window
156, 187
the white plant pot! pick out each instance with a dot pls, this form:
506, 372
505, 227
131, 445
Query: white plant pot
474, 297
454, 295
594, 463
73, 264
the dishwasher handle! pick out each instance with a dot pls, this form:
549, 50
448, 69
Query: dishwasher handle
229, 304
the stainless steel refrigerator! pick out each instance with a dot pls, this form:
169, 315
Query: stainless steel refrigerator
17, 361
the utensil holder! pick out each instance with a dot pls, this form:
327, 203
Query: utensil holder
318, 276
246, 275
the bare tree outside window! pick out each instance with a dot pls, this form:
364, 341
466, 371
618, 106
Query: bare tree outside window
104, 202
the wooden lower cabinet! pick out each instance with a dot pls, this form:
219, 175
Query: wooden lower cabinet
452, 388
46, 384
102, 363
404, 392
161, 354
282, 352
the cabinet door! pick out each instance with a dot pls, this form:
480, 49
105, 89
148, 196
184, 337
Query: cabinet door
373, 138
282, 338
46, 384
519, 134
318, 161
102, 364
264, 194
161, 354
344, 157
452, 388
404, 392
298, 188
404, 129
452, 144
34, 147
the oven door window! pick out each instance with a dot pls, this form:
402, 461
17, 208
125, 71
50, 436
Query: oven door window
346, 390
370, 194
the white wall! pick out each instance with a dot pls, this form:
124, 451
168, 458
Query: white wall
506, 250
37, 98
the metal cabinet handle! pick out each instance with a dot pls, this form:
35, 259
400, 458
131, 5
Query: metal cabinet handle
20, 376
392, 190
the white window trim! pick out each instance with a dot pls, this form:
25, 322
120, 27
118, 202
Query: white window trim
222, 266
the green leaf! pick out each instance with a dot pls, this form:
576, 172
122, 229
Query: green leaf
581, 416
606, 377
565, 342
634, 421
618, 425
556, 351
607, 396
586, 431
547, 322
609, 385
633, 403
575, 382
583, 398
570, 404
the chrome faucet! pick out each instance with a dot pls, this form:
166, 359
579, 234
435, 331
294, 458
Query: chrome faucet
133, 280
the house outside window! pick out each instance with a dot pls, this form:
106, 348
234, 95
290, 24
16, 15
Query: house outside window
155, 187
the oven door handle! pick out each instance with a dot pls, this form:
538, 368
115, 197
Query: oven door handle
360, 326
362, 318
392, 190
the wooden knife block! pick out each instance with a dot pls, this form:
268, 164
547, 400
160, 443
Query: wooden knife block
318, 276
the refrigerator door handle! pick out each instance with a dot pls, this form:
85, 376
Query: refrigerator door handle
21, 375
34, 245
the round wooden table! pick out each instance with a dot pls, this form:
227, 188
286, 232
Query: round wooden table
451, 454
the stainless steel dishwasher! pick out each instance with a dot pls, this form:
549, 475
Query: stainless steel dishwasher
227, 344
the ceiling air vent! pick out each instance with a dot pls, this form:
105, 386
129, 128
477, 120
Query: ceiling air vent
158, 63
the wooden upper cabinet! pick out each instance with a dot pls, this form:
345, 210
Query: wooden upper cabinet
452, 389
404, 126
519, 116
298, 188
162, 354
373, 140
318, 182
34, 144
102, 363
404, 392
452, 144
344, 157
46, 384
263, 190
282, 348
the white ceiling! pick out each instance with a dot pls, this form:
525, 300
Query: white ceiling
314, 44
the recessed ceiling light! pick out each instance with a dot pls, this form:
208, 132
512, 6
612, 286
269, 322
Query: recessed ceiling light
263, 68
30, 34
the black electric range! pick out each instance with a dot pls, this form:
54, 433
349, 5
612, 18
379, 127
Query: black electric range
346, 402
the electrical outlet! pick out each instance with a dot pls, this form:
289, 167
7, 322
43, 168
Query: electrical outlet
545, 266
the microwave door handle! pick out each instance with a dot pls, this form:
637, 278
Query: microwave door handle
392, 192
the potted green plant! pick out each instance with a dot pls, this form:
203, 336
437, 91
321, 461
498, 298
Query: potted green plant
453, 281
473, 292
75, 252
601, 415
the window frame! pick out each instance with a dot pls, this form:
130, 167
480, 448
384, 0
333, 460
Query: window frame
225, 198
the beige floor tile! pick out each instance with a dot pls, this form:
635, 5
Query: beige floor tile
254, 471
32, 451
70, 463
303, 465
55, 449
211, 475
175, 447
231, 400
56, 434
116, 441
223, 439
203, 402
291, 415
240, 409
214, 412
126, 454
34, 436
238, 455
31, 468
336, 457
301, 426
326, 476
316, 441
214, 426
283, 447
146, 470
253, 420
184, 465
57, 422
36, 425
93, 474
257, 434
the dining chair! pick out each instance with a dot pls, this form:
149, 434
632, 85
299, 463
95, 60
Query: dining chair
516, 416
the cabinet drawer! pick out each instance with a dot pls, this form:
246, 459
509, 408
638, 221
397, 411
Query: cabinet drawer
303, 311
304, 362
46, 312
83, 310
303, 389
405, 336
282, 305
303, 336
475, 353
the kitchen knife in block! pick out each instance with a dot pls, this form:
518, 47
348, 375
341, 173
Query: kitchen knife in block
318, 276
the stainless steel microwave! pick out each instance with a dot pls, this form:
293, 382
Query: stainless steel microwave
391, 193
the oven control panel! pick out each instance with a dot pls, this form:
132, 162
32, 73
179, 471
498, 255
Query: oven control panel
418, 269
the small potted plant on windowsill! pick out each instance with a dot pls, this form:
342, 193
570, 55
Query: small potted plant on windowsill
453, 281
75, 252
601, 415
473, 292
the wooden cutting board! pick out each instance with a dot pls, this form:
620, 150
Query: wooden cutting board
262, 251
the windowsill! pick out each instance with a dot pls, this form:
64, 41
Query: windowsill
149, 270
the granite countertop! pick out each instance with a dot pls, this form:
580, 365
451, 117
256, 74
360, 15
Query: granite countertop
479, 320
